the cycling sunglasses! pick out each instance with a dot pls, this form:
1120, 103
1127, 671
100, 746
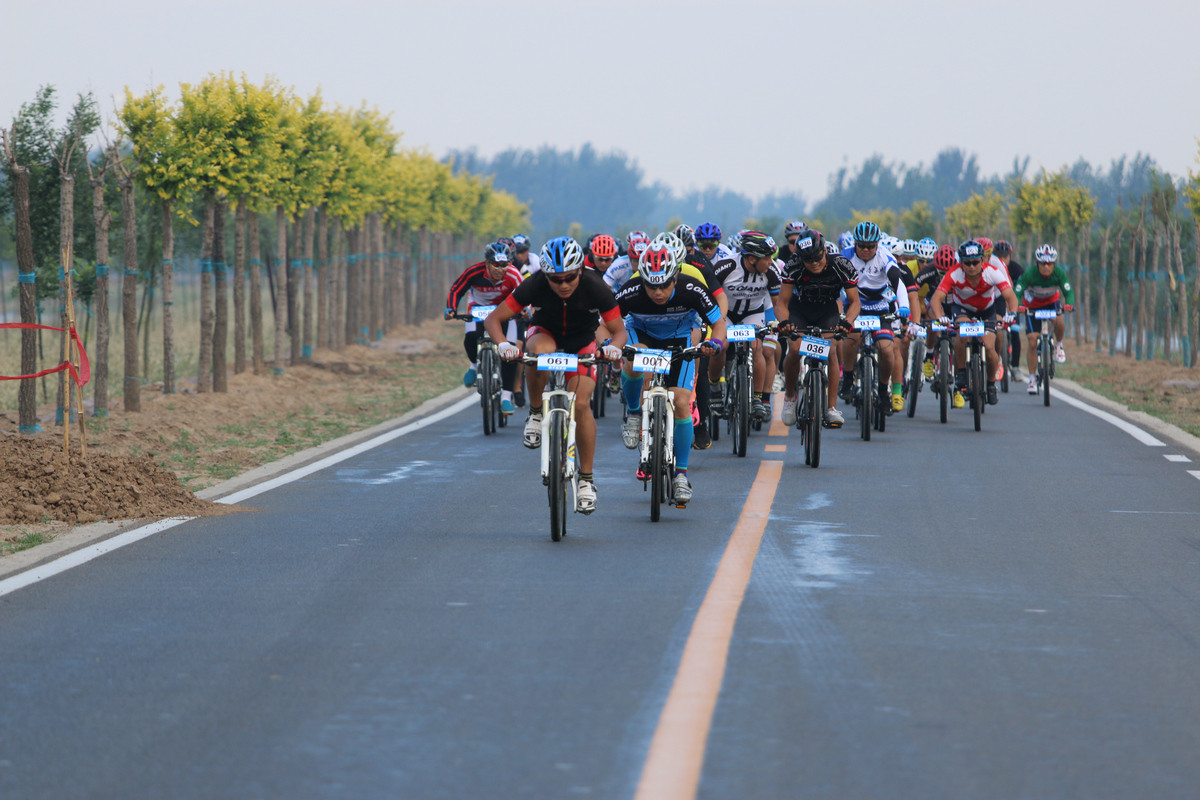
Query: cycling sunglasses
560, 279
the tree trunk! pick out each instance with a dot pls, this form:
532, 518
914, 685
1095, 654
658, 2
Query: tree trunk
133, 383
1140, 342
221, 289
376, 277
1102, 290
351, 286
293, 293
281, 285
337, 322
1194, 316
102, 220
258, 352
1152, 311
321, 277
239, 288
27, 281
1182, 316
168, 295
204, 372
1085, 307
66, 249
306, 346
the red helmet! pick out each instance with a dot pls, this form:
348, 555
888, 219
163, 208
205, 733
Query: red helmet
604, 246
945, 258
986, 244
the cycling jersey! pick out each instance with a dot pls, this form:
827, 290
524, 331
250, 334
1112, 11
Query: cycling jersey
928, 279
879, 280
676, 318
480, 288
978, 294
819, 288
749, 292
534, 264
618, 272
1041, 291
571, 321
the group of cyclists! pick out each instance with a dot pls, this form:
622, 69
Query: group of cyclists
683, 287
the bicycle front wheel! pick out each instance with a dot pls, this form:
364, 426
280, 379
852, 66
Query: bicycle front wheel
916, 361
658, 438
944, 383
558, 477
816, 400
1045, 367
487, 389
867, 390
977, 383
741, 408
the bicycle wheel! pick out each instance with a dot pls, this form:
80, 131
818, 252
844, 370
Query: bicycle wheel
600, 390
741, 408
658, 434
816, 418
1005, 357
977, 384
882, 403
487, 400
558, 477
916, 360
944, 381
867, 390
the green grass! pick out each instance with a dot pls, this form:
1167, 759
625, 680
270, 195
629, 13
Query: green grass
23, 542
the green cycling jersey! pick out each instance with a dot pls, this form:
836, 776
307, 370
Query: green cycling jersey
1038, 290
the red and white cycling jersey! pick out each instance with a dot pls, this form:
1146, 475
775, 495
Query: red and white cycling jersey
978, 294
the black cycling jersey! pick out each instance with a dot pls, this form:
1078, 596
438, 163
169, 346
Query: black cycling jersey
819, 288
572, 319
749, 291
909, 280
928, 276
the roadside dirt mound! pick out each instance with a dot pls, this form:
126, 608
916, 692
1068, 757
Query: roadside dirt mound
39, 482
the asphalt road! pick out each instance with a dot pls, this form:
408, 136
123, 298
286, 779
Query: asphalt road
935, 613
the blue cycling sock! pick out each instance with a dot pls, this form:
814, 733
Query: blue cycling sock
684, 433
632, 387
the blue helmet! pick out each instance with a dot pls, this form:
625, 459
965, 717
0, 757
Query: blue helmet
707, 230
845, 240
561, 254
867, 232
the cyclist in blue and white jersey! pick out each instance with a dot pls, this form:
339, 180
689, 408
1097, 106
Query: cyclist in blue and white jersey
708, 242
750, 282
523, 259
662, 307
624, 266
882, 291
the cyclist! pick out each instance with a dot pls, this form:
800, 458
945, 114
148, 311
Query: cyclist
708, 242
567, 299
812, 283
486, 283
945, 258
624, 266
973, 287
688, 237
661, 305
750, 281
881, 287
527, 262
1003, 252
791, 234
1042, 288
600, 253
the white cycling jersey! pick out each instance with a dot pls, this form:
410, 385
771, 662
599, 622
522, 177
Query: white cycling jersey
534, 265
618, 272
874, 283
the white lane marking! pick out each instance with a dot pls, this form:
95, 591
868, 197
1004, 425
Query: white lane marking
1190, 513
395, 476
1195, 473
1179, 459
86, 554
1128, 427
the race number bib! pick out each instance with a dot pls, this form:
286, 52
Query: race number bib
937, 327
652, 361
740, 333
481, 312
866, 323
558, 362
970, 329
1045, 313
812, 347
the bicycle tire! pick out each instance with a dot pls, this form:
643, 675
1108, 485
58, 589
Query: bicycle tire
977, 391
600, 390
915, 361
558, 479
881, 409
867, 391
486, 378
658, 432
1046, 357
816, 419
944, 381
741, 409
1005, 360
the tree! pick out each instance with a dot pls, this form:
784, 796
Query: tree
918, 220
978, 215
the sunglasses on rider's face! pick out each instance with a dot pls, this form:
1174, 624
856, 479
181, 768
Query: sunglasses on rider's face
707, 244
866, 245
974, 262
560, 279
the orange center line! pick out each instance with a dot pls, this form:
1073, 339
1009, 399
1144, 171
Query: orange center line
676, 757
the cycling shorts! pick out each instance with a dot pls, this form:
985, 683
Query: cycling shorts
1033, 325
683, 373
585, 347
987, 316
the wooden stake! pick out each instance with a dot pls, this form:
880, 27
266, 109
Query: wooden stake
73, 392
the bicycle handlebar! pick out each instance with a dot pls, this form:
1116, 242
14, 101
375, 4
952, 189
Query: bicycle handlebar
677, 353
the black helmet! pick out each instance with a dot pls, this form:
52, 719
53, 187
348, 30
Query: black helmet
1002, 248
497, 253
970, 250
757, 243
811, 246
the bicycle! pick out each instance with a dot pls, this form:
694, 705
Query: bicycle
560, 457
600, 392
487, 381
810, 414
657, 451
869, 406
739, 368
1045, 351
973, 331
943, 380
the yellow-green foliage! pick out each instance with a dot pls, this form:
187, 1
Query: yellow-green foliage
1052, 202
233, 138
978, 215
887, 219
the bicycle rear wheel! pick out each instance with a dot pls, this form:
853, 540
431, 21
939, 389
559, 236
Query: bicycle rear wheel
944, 382
977, 383
558, 478
600, 390
658, 437
916, 360
1045, 365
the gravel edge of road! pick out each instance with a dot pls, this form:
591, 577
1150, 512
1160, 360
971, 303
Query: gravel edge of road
1159, 427
86, 535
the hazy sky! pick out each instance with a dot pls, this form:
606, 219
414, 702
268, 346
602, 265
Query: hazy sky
753, 96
